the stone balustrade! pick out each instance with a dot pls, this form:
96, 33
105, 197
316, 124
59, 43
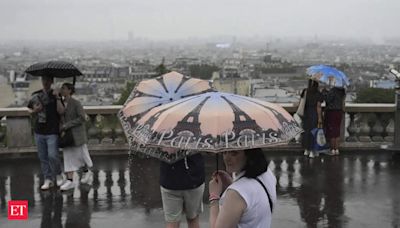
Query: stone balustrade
365, 124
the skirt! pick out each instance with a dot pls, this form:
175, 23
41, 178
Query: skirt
333, 123
76, 157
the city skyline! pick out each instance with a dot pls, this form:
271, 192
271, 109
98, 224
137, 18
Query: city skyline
101, 20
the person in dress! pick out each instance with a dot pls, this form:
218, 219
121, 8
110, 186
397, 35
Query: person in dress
312, 116
335, 100
77, 155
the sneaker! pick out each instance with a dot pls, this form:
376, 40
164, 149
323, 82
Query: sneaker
306, 152
59, 180
337, 151
47, 184
311, 154
332, 152
87, 177
68, 185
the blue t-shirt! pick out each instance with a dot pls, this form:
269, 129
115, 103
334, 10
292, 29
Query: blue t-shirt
181, 176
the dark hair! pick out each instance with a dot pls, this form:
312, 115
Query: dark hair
70, 87
48, 78
256, 163
312, 88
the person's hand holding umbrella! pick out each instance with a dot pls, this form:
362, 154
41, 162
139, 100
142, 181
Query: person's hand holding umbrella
215, 187
224, 177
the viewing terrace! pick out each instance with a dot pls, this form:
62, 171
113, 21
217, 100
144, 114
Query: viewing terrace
359, 188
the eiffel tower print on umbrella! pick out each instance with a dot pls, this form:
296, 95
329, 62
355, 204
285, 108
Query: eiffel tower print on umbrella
152, 93
215, 122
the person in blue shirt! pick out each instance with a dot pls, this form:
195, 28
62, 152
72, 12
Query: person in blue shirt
182, 188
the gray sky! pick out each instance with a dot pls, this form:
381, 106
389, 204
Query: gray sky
171, 19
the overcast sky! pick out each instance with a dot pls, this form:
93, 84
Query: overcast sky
171, 19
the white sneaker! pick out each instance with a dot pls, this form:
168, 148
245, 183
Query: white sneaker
87, 177
47, 184
67, 186
306, 152
337, 151
59, 180
311, 154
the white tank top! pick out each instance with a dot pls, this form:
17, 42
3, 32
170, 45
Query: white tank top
258, 212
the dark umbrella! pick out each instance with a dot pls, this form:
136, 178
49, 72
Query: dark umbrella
55, 69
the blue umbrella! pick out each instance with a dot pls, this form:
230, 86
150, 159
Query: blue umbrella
328, 75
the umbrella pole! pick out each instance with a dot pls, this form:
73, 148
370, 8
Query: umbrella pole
74, 81
216, 158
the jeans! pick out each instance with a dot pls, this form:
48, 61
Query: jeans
47, 146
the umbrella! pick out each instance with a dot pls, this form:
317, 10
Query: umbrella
152, 93
215, 122
328, 75
55, 69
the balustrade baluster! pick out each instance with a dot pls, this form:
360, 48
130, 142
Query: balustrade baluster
106, 130
377, 129
352, 129
93, 131
365, 129
390, 131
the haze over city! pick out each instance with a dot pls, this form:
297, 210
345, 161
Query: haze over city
99, 20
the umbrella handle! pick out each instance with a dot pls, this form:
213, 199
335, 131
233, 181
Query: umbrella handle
216, 158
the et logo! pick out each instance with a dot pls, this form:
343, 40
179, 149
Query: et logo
17, 210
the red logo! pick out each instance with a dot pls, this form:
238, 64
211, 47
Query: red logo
18, 210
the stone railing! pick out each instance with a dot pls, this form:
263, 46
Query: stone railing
365, 124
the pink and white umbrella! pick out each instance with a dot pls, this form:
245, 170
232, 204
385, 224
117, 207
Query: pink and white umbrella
153, 93
215, 122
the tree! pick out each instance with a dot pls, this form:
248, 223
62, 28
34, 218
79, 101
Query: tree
125, 93
161, 69
375, 95
203, 71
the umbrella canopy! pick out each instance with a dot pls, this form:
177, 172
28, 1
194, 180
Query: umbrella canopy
328, 75
161, 90
55, 69
215, 122
152, 93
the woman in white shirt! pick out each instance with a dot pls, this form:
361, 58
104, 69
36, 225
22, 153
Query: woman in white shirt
248, 196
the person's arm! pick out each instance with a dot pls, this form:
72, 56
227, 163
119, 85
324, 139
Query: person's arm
319, 112
60, 106
35, 108
77, 121
230, 213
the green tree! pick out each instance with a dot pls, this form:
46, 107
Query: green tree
203, 71
375, 95
125, 93
161, 69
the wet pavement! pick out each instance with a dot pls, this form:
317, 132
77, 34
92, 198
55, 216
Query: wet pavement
356, 190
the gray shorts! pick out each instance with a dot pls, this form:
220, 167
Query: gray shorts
179, 202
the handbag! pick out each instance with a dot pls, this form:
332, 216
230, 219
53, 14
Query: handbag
302, 105
66, 139
319, 143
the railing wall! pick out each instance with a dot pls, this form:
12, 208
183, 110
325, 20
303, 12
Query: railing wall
364, 123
